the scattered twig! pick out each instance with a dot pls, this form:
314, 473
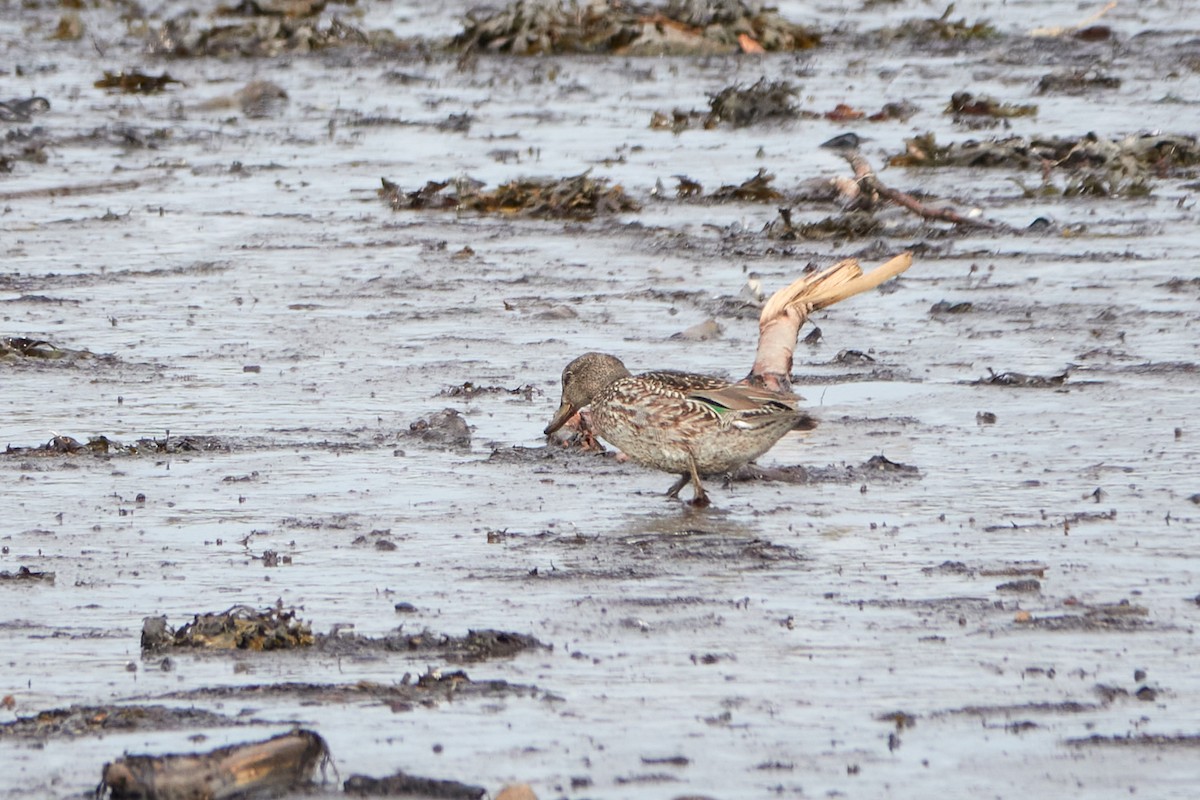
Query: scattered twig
874, 188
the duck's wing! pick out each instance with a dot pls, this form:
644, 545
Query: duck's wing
716, 394
743, 397
669, 380
744, 406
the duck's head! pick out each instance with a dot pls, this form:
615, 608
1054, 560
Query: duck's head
582, 380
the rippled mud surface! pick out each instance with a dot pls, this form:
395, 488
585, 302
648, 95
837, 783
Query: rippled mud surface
227, 362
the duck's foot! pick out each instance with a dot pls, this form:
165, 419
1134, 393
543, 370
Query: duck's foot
692, 476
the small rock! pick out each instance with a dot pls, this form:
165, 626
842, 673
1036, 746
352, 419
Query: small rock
852, 357
558, 312
701, 332
446, 427
156, 633
946, 307
261, 99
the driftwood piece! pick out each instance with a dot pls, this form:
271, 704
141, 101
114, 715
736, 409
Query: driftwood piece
781, 317
868, 182
242, 770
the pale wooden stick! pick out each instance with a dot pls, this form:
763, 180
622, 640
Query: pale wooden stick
884, 272
781, 317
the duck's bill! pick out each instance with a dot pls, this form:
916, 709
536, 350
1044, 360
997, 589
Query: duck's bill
564, 413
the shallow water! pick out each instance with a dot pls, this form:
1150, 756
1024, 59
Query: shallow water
762, 640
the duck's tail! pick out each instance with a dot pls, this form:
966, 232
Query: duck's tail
781, 318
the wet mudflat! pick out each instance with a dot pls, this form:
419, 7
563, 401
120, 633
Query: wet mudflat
227, 359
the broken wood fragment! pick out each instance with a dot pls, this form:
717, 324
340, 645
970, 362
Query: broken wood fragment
781, 317
276, 765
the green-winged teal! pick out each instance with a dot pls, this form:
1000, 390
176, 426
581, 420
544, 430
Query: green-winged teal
686, 424
696, 425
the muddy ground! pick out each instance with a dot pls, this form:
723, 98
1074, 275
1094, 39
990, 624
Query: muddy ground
1004, 605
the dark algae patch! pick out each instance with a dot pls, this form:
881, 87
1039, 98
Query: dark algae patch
406, 693
403, 784
239, 628
103, 446
277, 628
25, 575
474, 647
579, 197
544, 27
1090, 165
135, 82
100, 720
22, 347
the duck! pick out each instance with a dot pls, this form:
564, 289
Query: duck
697, 426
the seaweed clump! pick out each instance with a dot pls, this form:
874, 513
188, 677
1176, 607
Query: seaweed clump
741, 106
101, 445
261, 30
579, 197
696, 27
1079, 81
239, 628
135, 82
1094, 166
965, 104
942, 28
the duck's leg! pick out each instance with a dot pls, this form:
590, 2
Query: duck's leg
699, 496
683, 481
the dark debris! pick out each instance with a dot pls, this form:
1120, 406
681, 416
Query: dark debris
697, 27
445, 428
27, 575
14, 347
135, 82
267, 36
239, 628
1093, 166
1023, 381
579, 197
103, 446
402, 784
475, 646
741, 106
98, 720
